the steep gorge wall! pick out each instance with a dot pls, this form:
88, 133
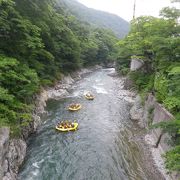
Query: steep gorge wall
12, 154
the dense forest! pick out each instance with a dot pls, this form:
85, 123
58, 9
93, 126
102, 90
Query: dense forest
40, 41
97, 18
156, 42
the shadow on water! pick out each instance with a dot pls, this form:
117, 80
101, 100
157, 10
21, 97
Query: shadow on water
100, 149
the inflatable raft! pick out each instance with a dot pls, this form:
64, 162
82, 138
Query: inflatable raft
89, 96
74, 107
67, 129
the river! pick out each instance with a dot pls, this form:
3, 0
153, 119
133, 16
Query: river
101, 149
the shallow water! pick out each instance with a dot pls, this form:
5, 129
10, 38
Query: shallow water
101, 149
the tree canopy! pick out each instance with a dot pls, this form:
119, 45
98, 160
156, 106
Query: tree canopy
40, 40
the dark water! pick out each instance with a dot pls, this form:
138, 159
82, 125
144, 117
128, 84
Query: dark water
100, 150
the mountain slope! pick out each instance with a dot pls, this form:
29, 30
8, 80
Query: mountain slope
98, 18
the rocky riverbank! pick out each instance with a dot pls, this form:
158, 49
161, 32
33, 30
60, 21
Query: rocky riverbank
13, 151
152, 142
153, 162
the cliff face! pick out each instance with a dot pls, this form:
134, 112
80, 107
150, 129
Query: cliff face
12, 153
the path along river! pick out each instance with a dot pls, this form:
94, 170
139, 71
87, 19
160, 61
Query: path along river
102, 147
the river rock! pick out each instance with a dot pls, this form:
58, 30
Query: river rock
136, 112
86, 71
57, 94
16, 154
67, 80
10, 176
4, 144
128, 83
12, 154
41, 102
36, 120
78, 74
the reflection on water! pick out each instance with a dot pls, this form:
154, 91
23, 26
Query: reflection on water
101, 148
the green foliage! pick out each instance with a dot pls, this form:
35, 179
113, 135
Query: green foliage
173, 159
150, 115
38, 42
17, 35
160, 85
10, 107
143, 82
20, 81
124, 71
170, 13
173, 156
172, 103
17, 85
106, 45
175, 70
156, 42
172, 127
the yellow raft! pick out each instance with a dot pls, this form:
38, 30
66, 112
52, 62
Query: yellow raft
74, 107
89, 96
68, 129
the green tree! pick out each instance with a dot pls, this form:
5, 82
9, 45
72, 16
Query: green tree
156, 41
38, 42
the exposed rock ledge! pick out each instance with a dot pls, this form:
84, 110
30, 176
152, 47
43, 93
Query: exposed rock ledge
13, 151
150, 113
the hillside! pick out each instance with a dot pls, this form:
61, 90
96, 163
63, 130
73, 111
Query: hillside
98, 18
39, 43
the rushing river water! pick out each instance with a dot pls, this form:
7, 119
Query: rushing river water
101, 149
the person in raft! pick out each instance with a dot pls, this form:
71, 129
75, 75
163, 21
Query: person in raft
65, 124
74, 106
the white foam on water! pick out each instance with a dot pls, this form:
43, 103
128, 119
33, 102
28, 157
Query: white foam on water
97, 80
30, 178
86, 79
100, 90
100, 84
76, 93
35, 172
36, 165
41, 161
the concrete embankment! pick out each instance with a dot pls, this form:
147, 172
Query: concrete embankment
146, 115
